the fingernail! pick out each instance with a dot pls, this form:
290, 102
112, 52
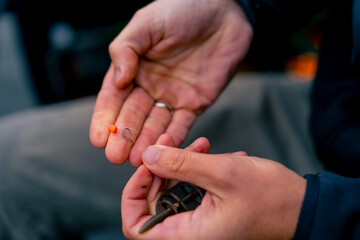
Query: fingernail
150, 155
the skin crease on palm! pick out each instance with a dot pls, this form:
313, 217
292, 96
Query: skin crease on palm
166, 54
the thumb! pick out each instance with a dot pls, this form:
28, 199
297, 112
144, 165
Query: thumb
200, 169
133, 42
125, 61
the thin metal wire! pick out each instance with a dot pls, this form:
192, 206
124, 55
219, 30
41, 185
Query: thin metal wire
124, 135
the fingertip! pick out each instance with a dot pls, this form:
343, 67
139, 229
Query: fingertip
115, 157
123, 78
165, 139
135, 157
125, 63
97, 137
94, 141
200, 145
137, 151
150, 155
118, 78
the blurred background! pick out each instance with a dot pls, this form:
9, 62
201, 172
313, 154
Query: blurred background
52, 51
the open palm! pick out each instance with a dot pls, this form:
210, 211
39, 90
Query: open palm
181, 53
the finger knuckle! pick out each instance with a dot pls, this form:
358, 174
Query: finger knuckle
112, 48
139, 13
181, 162
227, 172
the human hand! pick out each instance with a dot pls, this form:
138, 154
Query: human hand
246, 198
181, 53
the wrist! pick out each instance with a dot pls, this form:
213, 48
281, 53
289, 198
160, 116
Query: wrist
282, 204
298, 202
292, 207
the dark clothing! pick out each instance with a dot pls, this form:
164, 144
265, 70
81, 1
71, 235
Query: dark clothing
269, 16
331, 208
335, 122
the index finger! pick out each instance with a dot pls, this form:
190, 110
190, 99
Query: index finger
134, 205
108, 104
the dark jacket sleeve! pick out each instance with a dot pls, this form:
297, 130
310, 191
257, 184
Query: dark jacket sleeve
279, 16
331, 208
335, 117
